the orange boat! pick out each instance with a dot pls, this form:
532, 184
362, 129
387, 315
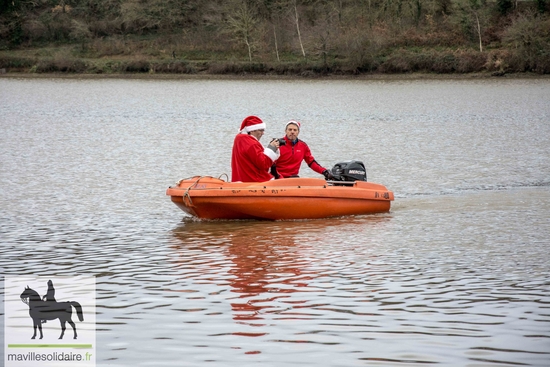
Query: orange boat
207, 197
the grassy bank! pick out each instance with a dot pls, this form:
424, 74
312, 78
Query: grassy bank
69, 59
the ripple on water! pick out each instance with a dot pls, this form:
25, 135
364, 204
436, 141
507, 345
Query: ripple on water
456, 274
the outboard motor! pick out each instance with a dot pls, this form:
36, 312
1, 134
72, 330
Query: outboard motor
349, 171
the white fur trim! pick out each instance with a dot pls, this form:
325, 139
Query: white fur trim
248, 129
271, 154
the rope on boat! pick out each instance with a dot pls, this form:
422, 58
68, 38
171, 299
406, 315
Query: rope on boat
186, 194
183, 179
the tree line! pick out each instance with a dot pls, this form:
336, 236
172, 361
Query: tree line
351, 36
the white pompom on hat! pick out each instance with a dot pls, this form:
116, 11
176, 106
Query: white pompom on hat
294, 123
251, 123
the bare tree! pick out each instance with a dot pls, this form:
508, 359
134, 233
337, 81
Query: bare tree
276, 45
242, 24
478, 31
273, 10
298, 26
471, 15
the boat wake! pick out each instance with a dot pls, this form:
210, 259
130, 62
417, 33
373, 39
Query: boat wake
461, 190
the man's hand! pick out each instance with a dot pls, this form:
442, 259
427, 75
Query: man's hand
328, 175
275, 143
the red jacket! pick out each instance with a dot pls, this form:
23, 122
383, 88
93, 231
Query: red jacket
292, 155
250, 161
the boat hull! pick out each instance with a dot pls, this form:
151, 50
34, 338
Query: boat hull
293, 198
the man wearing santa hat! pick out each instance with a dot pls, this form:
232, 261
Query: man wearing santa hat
293, 153
250, 161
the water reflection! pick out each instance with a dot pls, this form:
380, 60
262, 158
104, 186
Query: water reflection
261, 269
268, 265
260, 256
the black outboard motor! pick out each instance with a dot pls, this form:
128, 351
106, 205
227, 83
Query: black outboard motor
349, 171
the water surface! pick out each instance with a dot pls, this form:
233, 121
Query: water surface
457, 274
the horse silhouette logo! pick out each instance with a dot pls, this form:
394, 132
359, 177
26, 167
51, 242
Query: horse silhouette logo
42, 309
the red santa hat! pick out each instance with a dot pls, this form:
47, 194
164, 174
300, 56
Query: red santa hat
293, 122
251, 123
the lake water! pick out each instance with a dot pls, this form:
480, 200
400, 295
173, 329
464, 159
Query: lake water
457, 274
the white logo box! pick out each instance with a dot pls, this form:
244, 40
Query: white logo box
19, 347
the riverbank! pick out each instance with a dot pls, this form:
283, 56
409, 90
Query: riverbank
379, 76
66, 60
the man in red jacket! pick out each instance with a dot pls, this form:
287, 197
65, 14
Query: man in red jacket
250, 161
293, 153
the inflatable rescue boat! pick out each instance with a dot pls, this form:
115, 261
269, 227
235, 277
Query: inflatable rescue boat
207, 197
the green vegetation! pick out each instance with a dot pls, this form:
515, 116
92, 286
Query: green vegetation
281, 37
